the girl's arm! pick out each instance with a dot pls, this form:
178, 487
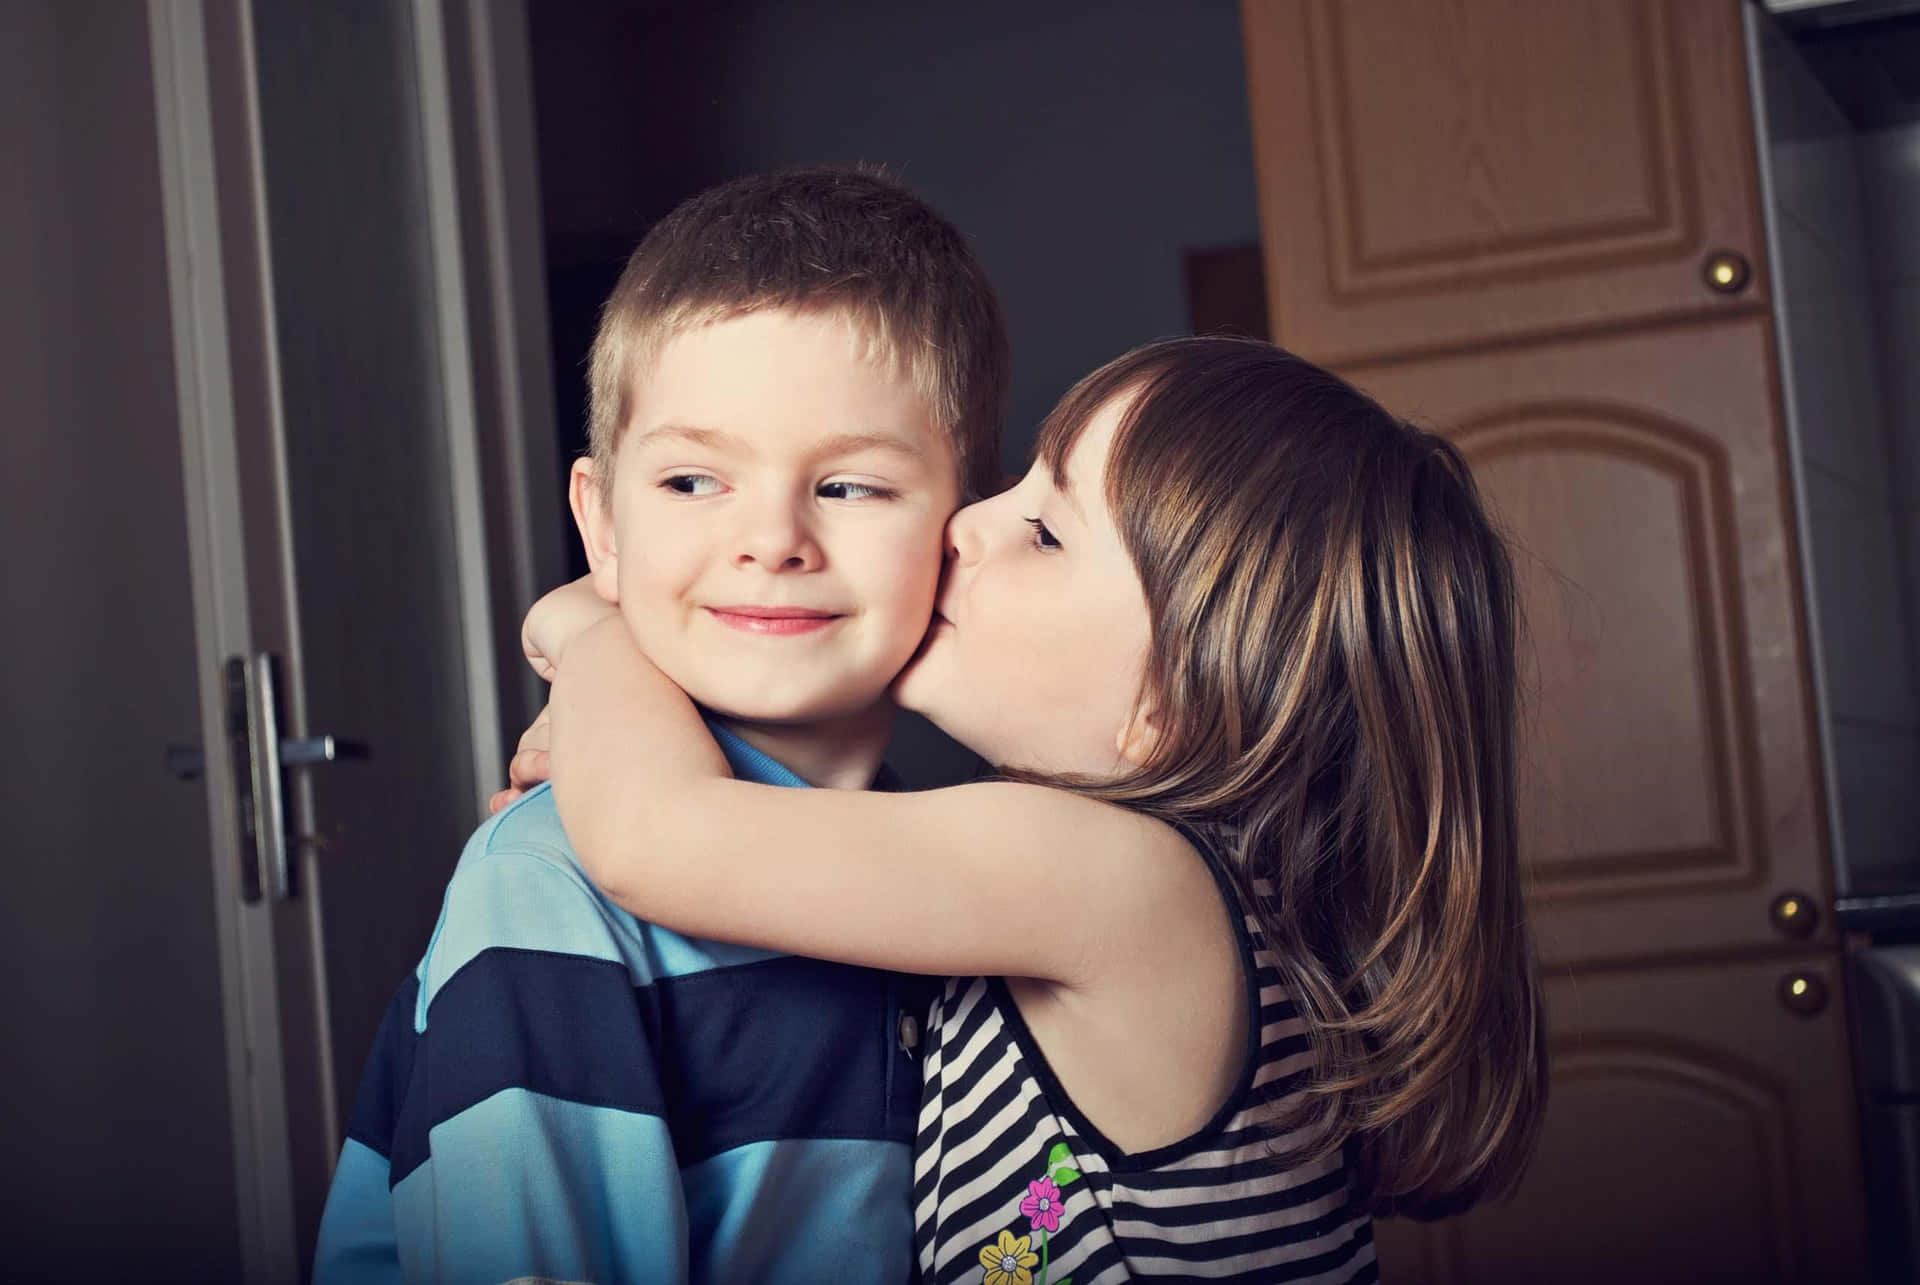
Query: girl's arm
993, 878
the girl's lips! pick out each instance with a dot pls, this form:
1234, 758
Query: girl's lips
773, 620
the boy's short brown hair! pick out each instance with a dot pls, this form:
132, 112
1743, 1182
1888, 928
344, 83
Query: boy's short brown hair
849, 240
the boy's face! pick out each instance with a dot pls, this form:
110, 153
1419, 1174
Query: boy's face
775, 530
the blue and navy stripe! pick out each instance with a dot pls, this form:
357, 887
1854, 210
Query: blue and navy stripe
565, 1091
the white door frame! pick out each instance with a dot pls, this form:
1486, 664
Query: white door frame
485, 246
222, 622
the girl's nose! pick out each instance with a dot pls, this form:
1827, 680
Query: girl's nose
964, 533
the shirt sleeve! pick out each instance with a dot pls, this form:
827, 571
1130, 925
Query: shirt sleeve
533, 1137
357, 1243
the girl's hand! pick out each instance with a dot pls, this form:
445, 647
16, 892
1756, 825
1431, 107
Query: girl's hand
529, 765
556, 620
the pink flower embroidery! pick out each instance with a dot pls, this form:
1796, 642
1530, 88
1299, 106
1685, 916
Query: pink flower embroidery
1041, 1205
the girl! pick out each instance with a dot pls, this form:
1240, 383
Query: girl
1238, 941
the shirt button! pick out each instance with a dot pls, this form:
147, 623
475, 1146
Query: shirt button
909, 1032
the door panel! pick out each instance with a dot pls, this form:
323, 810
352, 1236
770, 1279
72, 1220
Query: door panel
1693, 1135
1494, 216
1624, 522
115, 1109
345, 516
353, 470
369, 495
1442, 174
1671, 789
230, 432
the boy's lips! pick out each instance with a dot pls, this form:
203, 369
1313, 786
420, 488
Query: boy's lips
773, 620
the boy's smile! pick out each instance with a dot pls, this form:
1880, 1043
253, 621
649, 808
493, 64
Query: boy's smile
774, 620
773, 537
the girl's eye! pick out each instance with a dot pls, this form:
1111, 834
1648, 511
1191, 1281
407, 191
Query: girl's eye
853, 491
1042, 538
692, 484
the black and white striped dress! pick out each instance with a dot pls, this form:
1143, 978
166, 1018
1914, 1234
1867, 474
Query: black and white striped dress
1013, 1186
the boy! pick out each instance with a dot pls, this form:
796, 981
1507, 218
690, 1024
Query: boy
796, 380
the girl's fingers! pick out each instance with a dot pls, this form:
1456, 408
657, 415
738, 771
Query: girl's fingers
528, 768
536, 737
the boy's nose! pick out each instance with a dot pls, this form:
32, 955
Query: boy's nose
776, 538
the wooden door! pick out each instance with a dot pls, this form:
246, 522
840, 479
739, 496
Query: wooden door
347, 471
1671, 787
1435, 174
1693, 1136
1494, 216
394, 466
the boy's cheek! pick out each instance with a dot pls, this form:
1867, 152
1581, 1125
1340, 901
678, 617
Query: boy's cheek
605, 575
907, 573
917, 581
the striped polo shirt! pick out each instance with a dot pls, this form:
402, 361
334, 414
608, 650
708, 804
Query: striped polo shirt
564, 1092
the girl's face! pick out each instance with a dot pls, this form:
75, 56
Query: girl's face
1040, 633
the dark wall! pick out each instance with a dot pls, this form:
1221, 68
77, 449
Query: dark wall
1083, 145
113, 1089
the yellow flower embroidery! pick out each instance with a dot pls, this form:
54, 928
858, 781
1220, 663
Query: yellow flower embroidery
1008, 1261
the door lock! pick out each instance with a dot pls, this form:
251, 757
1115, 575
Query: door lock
253, 718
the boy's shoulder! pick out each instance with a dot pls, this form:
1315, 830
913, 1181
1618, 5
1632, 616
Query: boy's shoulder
525, 835
519, 888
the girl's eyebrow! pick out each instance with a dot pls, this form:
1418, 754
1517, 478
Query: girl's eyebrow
1063, 486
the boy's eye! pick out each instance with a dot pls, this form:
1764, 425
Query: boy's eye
853, 491
691, 484
1042, 538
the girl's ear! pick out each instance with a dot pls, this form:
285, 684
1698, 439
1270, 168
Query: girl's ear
592, 505
1139, 736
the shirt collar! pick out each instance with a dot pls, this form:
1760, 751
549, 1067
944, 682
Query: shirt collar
750, 764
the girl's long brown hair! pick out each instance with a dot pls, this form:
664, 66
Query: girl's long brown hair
1333, 679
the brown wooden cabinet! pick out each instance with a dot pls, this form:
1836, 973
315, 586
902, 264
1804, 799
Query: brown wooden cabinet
1670, 765
1693, 1115
1494, 215
1436, 174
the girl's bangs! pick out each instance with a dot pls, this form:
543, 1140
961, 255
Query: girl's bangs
1137, 372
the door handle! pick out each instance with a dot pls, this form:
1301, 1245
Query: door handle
1794, 914
269, 794
188, 763
260, 821
1726, 272
1803, 993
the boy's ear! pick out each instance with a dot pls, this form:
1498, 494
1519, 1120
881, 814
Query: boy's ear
1139, 736
592, 506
